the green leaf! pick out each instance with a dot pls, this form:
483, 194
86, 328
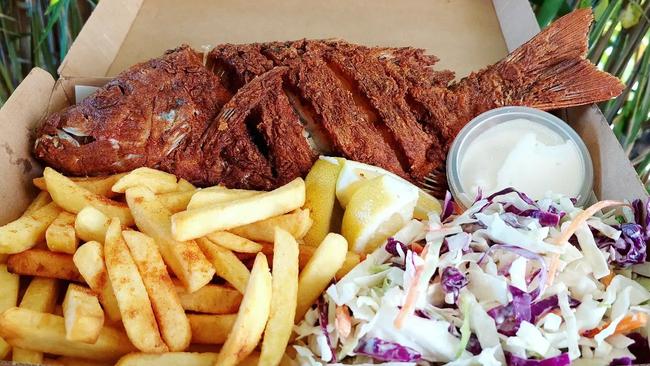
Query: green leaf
583, 4
630, 15
548, 11
599, 9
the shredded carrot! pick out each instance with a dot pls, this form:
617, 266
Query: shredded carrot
417, 248
412, 296
566, 234
627, 324
343, 322
608, 279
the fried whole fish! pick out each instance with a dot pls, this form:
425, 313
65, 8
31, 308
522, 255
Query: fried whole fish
256, 116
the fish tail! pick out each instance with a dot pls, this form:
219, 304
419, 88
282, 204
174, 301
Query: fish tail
549, 71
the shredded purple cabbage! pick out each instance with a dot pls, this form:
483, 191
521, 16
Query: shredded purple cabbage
560, 360
323, 321
629, 249
391, 246
387, 351
474, 346
452, 280
631, 246
545, 218
447, 207
508, 317
505, 191
540, 308
639, 348
621, 361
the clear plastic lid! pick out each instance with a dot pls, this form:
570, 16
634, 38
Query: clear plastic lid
489, 119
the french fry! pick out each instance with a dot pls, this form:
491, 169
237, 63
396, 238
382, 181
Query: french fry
28, 230
184, 185
5, 348
89, 260
192, 224
297, 223
97, 185
157, 181
42, 199
175, 201
307, 251
226, 264
75, 361
234, 242
251, 318
179, 358
83, 316
41, 295
216, 195
172, 321
45, 333
73, 198
211, 329
43, 263
91, 224
61, 236
319, 271
283, 299
9, 285
132, 299
185, 259
169, 359
210, 299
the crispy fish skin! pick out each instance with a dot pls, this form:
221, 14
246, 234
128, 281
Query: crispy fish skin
242, 120
143, 117
351, 133
290, 153
386, 97
239, 64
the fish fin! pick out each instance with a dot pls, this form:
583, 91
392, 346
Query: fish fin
555, 70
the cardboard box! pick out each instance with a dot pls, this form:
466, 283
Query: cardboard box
465, 34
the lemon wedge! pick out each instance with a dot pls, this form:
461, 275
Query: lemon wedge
320, 197
354, 173
378, 208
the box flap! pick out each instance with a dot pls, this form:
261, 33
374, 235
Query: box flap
614, 176
98, 43
442, 27
19, 116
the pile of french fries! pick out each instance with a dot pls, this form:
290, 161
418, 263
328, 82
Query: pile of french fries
145, 269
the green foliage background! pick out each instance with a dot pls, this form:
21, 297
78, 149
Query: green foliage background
39, 33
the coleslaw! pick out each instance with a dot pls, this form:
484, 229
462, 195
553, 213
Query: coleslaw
509, 281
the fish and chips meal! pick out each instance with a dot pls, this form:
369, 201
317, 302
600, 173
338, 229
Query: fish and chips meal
267, 204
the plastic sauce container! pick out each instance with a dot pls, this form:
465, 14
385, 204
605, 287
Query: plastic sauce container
525, 148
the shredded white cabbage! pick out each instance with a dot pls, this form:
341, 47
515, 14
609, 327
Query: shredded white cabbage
460, 271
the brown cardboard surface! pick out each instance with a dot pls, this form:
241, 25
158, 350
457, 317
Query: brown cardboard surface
614, 176
444, 27
18, 118
95, 47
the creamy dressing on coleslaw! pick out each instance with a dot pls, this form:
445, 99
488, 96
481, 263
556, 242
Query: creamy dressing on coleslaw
525, 155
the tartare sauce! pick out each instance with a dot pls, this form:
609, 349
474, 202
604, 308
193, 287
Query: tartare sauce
525, 155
